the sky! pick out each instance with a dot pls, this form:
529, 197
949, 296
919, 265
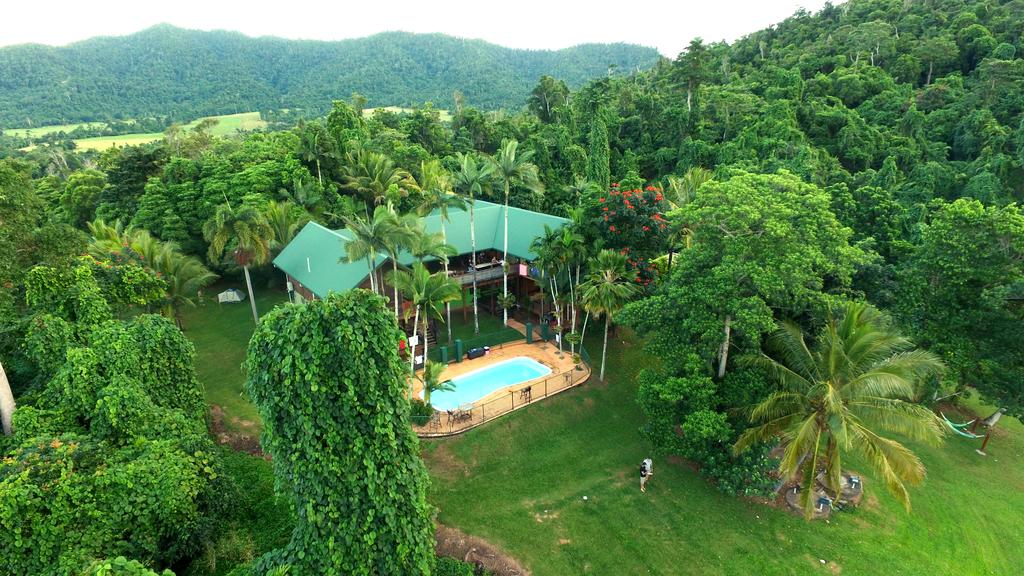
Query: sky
550, 24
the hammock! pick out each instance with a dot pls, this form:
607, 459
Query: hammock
959, 428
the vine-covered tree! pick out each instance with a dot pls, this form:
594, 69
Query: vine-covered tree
329, 386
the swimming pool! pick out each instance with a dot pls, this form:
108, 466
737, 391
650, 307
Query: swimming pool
479, 383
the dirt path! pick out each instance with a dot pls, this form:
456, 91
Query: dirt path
454, 543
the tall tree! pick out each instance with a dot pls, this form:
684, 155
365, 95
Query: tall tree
345, 415
937, 52
761, 244
548, 95
428, 293
691, 68
245, 232
856, 379
598, 161
435, 185
471, 179
513, 169
961, 296
607, 290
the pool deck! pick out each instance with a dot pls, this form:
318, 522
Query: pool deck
563, 376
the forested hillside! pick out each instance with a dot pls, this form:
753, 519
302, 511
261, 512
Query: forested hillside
188, 74
821, 219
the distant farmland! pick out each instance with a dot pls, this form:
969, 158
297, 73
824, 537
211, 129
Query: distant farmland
227, 125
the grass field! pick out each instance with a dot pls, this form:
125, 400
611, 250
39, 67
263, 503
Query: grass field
220, 333
44, 130
227, 125
519, 482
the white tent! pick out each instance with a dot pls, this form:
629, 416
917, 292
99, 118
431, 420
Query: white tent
231, 295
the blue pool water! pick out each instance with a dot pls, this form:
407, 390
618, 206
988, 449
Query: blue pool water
479, 383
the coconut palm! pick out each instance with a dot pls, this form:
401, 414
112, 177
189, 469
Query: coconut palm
286, 219
185, 277
606, 290
436, 188
472, 178
6, 402
428, 293
432, 380
513, 168
836, 396
248, 235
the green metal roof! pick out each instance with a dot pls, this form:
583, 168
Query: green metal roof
313, 257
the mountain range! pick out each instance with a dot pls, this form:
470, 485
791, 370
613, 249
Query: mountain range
186, 74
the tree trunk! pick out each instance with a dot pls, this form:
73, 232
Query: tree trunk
412, 352
447, 305
426, 339
689, 95
604, 348
670, 253
373, 276
931, 66
6, 402
472, 244
394, 270
252, 300
504, 263
723, 354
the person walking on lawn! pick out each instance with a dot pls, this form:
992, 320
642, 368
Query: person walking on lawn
646, 471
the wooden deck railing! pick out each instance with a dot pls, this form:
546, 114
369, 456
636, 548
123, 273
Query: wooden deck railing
451, 422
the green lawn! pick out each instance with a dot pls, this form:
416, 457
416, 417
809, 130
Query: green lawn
520, 480
220, 333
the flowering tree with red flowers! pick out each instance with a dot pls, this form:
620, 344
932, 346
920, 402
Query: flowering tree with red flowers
632, 223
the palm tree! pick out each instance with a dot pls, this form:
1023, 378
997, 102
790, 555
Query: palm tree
247, 232
399, 232
678, 193
286, 219
425, 245
549, 260
428, 293
606, 290
437, 195
855, 380
511, 167
573, 251
681, 191
315, 144
372, 175
370, 238
6, 402
185, 277
431, 380
471, 179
